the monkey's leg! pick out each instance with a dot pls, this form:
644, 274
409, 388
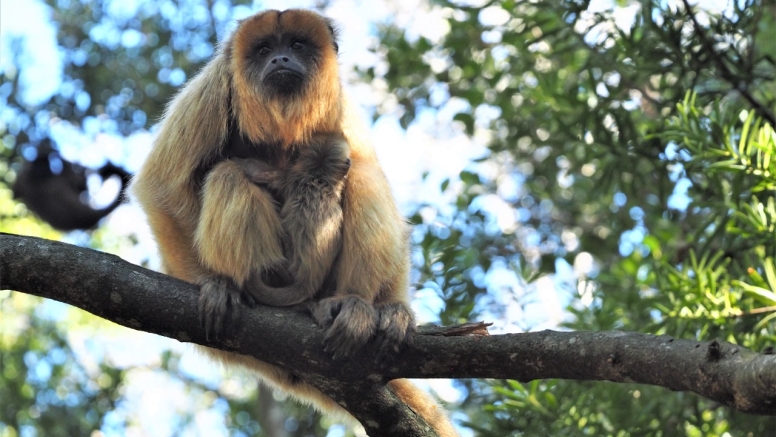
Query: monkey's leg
178, 257
238, 233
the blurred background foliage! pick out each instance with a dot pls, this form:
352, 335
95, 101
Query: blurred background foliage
630, 161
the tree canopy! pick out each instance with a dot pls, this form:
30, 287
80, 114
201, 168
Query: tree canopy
629, 164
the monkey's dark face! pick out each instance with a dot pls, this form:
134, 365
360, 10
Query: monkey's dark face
284, 63
285, 85
282, 52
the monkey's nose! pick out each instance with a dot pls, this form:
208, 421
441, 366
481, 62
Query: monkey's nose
279, 59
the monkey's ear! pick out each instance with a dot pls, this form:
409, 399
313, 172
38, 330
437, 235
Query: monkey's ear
334, 34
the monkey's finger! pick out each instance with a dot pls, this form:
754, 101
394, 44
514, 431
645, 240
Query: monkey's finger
213, 320
205, 315
207, 323
202, 318
210, 331
218, 323
247, 300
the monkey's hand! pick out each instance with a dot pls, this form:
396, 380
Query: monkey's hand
218, 299
339, 157
350, 322
395, 330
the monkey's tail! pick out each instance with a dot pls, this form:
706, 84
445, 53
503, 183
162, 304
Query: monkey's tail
277, 296
422, 404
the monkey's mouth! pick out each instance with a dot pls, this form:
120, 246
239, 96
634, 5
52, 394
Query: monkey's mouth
284, 81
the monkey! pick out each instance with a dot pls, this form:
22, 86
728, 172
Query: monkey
59, 197
311, 216
271, 90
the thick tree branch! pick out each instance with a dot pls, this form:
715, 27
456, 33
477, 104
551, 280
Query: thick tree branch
141, 299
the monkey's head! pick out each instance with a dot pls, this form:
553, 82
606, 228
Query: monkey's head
286, 77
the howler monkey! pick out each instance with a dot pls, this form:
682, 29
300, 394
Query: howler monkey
58, 194
231, 147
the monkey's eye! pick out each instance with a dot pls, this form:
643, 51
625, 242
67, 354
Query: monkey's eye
297, 46
264, 50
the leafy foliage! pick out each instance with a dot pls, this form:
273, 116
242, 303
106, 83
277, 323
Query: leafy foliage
645, 144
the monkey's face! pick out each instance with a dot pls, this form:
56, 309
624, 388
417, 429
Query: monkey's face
282, 64
284, 51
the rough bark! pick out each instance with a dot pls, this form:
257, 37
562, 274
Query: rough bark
141, 299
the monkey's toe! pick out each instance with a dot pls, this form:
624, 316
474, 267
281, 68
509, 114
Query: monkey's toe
350, 322
395, 330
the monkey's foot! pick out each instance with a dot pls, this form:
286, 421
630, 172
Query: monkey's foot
395, 330
218, 297
349, 321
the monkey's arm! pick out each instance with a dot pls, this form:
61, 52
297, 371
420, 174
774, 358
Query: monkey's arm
372, 273
238, 235
169, 187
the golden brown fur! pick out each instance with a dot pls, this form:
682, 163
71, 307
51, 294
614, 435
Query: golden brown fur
217, 228
311, 216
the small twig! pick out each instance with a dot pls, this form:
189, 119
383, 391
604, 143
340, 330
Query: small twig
761, 310
474, 329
